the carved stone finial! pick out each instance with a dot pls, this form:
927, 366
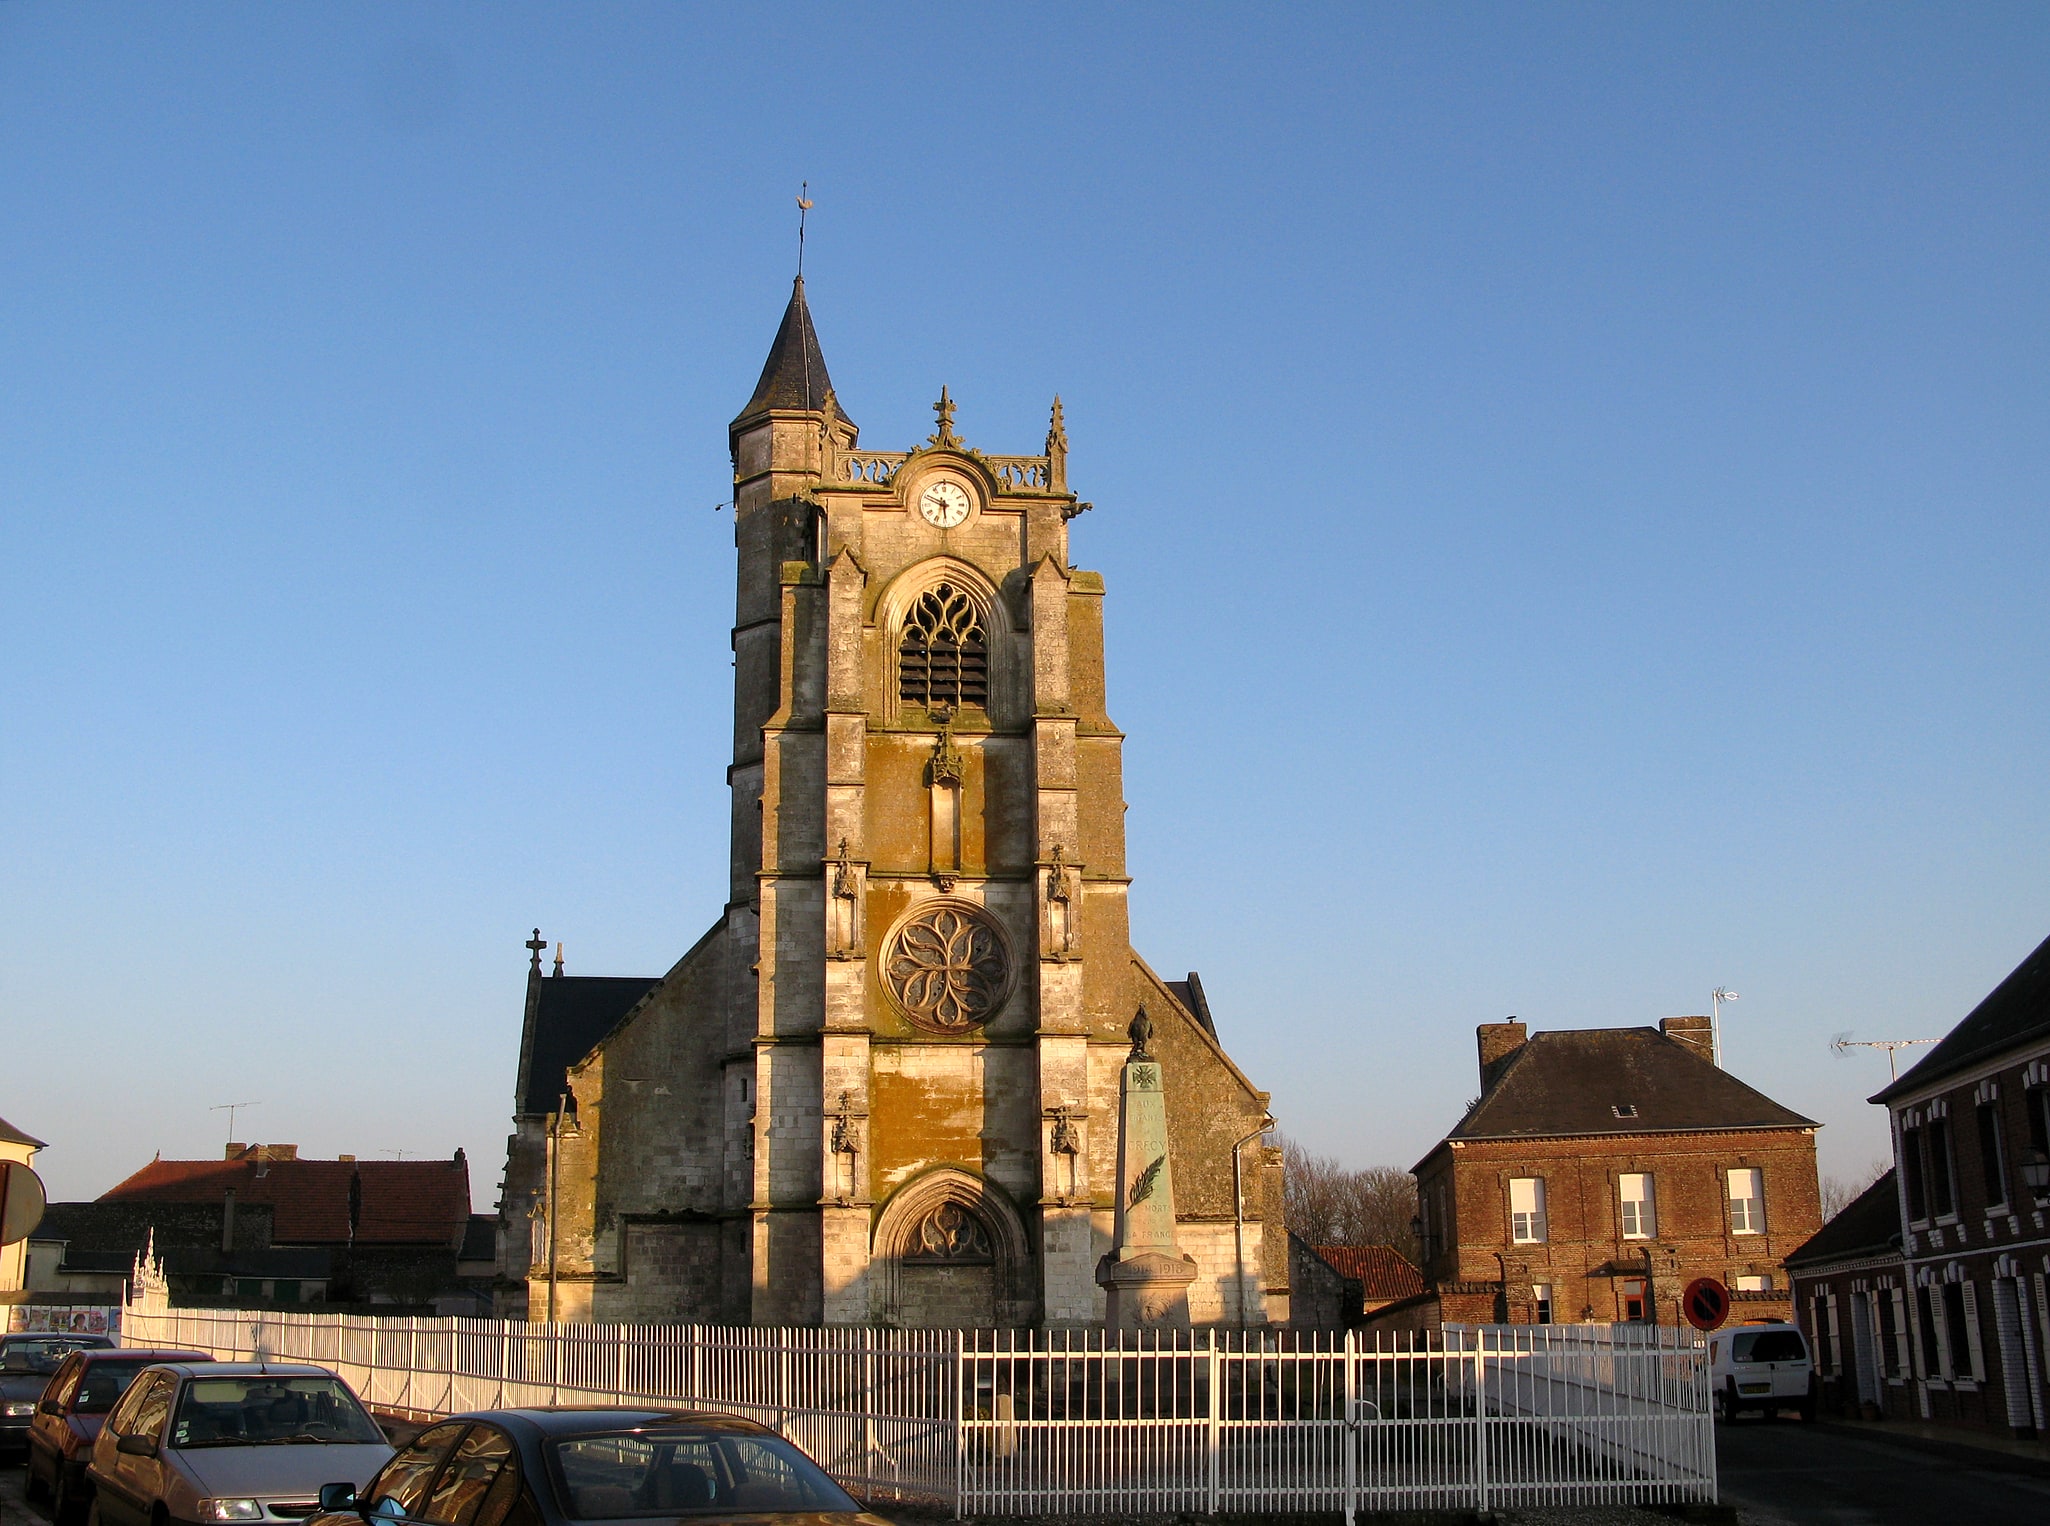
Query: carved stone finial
1141, 1031
947, 765
1057, 875
843, 875
1066, 1140
944, 411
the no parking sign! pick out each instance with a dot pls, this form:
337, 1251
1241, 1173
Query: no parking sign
1706, 1303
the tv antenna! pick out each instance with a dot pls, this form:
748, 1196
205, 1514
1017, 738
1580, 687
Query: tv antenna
231, 1108
1715, 1021
1843, 1044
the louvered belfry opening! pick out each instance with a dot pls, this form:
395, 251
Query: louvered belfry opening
944, 657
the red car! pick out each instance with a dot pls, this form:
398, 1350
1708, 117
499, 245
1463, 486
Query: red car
69, 1417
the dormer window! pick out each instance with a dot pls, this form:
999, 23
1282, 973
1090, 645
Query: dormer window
943, 658
1623, 1109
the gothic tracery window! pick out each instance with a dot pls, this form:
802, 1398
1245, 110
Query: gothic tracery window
950, 1233
943, 658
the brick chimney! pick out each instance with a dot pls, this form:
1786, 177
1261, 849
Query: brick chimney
1498, 1041
1696, 1033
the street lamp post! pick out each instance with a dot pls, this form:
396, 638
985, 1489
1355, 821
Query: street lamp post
1238, 1198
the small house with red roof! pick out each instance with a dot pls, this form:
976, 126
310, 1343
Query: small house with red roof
264, 1224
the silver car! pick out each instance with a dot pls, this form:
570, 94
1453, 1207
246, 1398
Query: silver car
229, 1442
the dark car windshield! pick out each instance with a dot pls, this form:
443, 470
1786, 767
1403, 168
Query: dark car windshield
672, 1472
1768, 1346
260, 1410
103, 1383
42, 1353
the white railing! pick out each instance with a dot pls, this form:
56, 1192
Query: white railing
999, 1422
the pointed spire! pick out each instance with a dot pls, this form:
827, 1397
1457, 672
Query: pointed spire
795, 374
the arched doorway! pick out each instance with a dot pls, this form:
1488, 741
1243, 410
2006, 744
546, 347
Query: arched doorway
951, 1251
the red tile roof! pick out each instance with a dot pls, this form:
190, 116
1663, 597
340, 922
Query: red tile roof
405, 1202
1381, 1271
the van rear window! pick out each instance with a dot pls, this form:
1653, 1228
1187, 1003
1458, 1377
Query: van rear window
1768, 1346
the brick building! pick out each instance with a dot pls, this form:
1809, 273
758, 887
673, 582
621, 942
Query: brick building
263, 1225
1336, 1287
883, 1086
1957, 1327
1601, 1170
1848, 1286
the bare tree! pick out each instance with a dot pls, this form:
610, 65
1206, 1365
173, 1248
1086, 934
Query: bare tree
1330, 1203
1839, 1192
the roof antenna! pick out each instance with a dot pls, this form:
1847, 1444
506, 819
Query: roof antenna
1843, 1044
231, 1109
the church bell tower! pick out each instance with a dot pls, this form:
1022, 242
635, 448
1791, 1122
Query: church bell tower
928, 867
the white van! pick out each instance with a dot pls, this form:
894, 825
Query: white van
1764, 1367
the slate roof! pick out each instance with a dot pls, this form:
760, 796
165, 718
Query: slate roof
2017, 1012
1382, 1272
573, 1014
405, 1202
794, 376
1573, 1082
12, 1135
1190, 994
480, 1239
1868, 1225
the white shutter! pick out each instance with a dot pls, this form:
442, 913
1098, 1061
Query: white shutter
2043, 1312
1903, 1337
2007, 1335
2032, 1369
1836, 1345
1946, 1362
1974, 1343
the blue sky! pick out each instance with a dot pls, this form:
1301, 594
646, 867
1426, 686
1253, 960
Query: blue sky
1569, 480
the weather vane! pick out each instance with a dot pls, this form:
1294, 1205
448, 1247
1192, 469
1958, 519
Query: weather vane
803, 206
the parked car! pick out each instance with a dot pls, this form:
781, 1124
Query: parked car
27, 1363
546, 1467
68, 1419
225, 1442
1765, 1367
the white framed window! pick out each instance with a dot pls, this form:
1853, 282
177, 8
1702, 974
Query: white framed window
1541, 1300
1639, 1213
1760, 1283
1747, 1200
1527, 1209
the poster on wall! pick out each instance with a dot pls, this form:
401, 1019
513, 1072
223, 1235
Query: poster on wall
64, 1319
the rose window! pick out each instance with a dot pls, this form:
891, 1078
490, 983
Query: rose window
947, 968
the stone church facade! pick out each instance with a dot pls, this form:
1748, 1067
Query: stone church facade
883, 1087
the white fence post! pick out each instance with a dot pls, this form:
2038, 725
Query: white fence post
1216, 1424
1349, 1432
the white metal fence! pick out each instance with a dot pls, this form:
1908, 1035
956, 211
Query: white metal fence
1029, 1422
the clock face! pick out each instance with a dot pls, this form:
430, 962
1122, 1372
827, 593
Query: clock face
944, 504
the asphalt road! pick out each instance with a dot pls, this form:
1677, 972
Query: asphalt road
1835, 1475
